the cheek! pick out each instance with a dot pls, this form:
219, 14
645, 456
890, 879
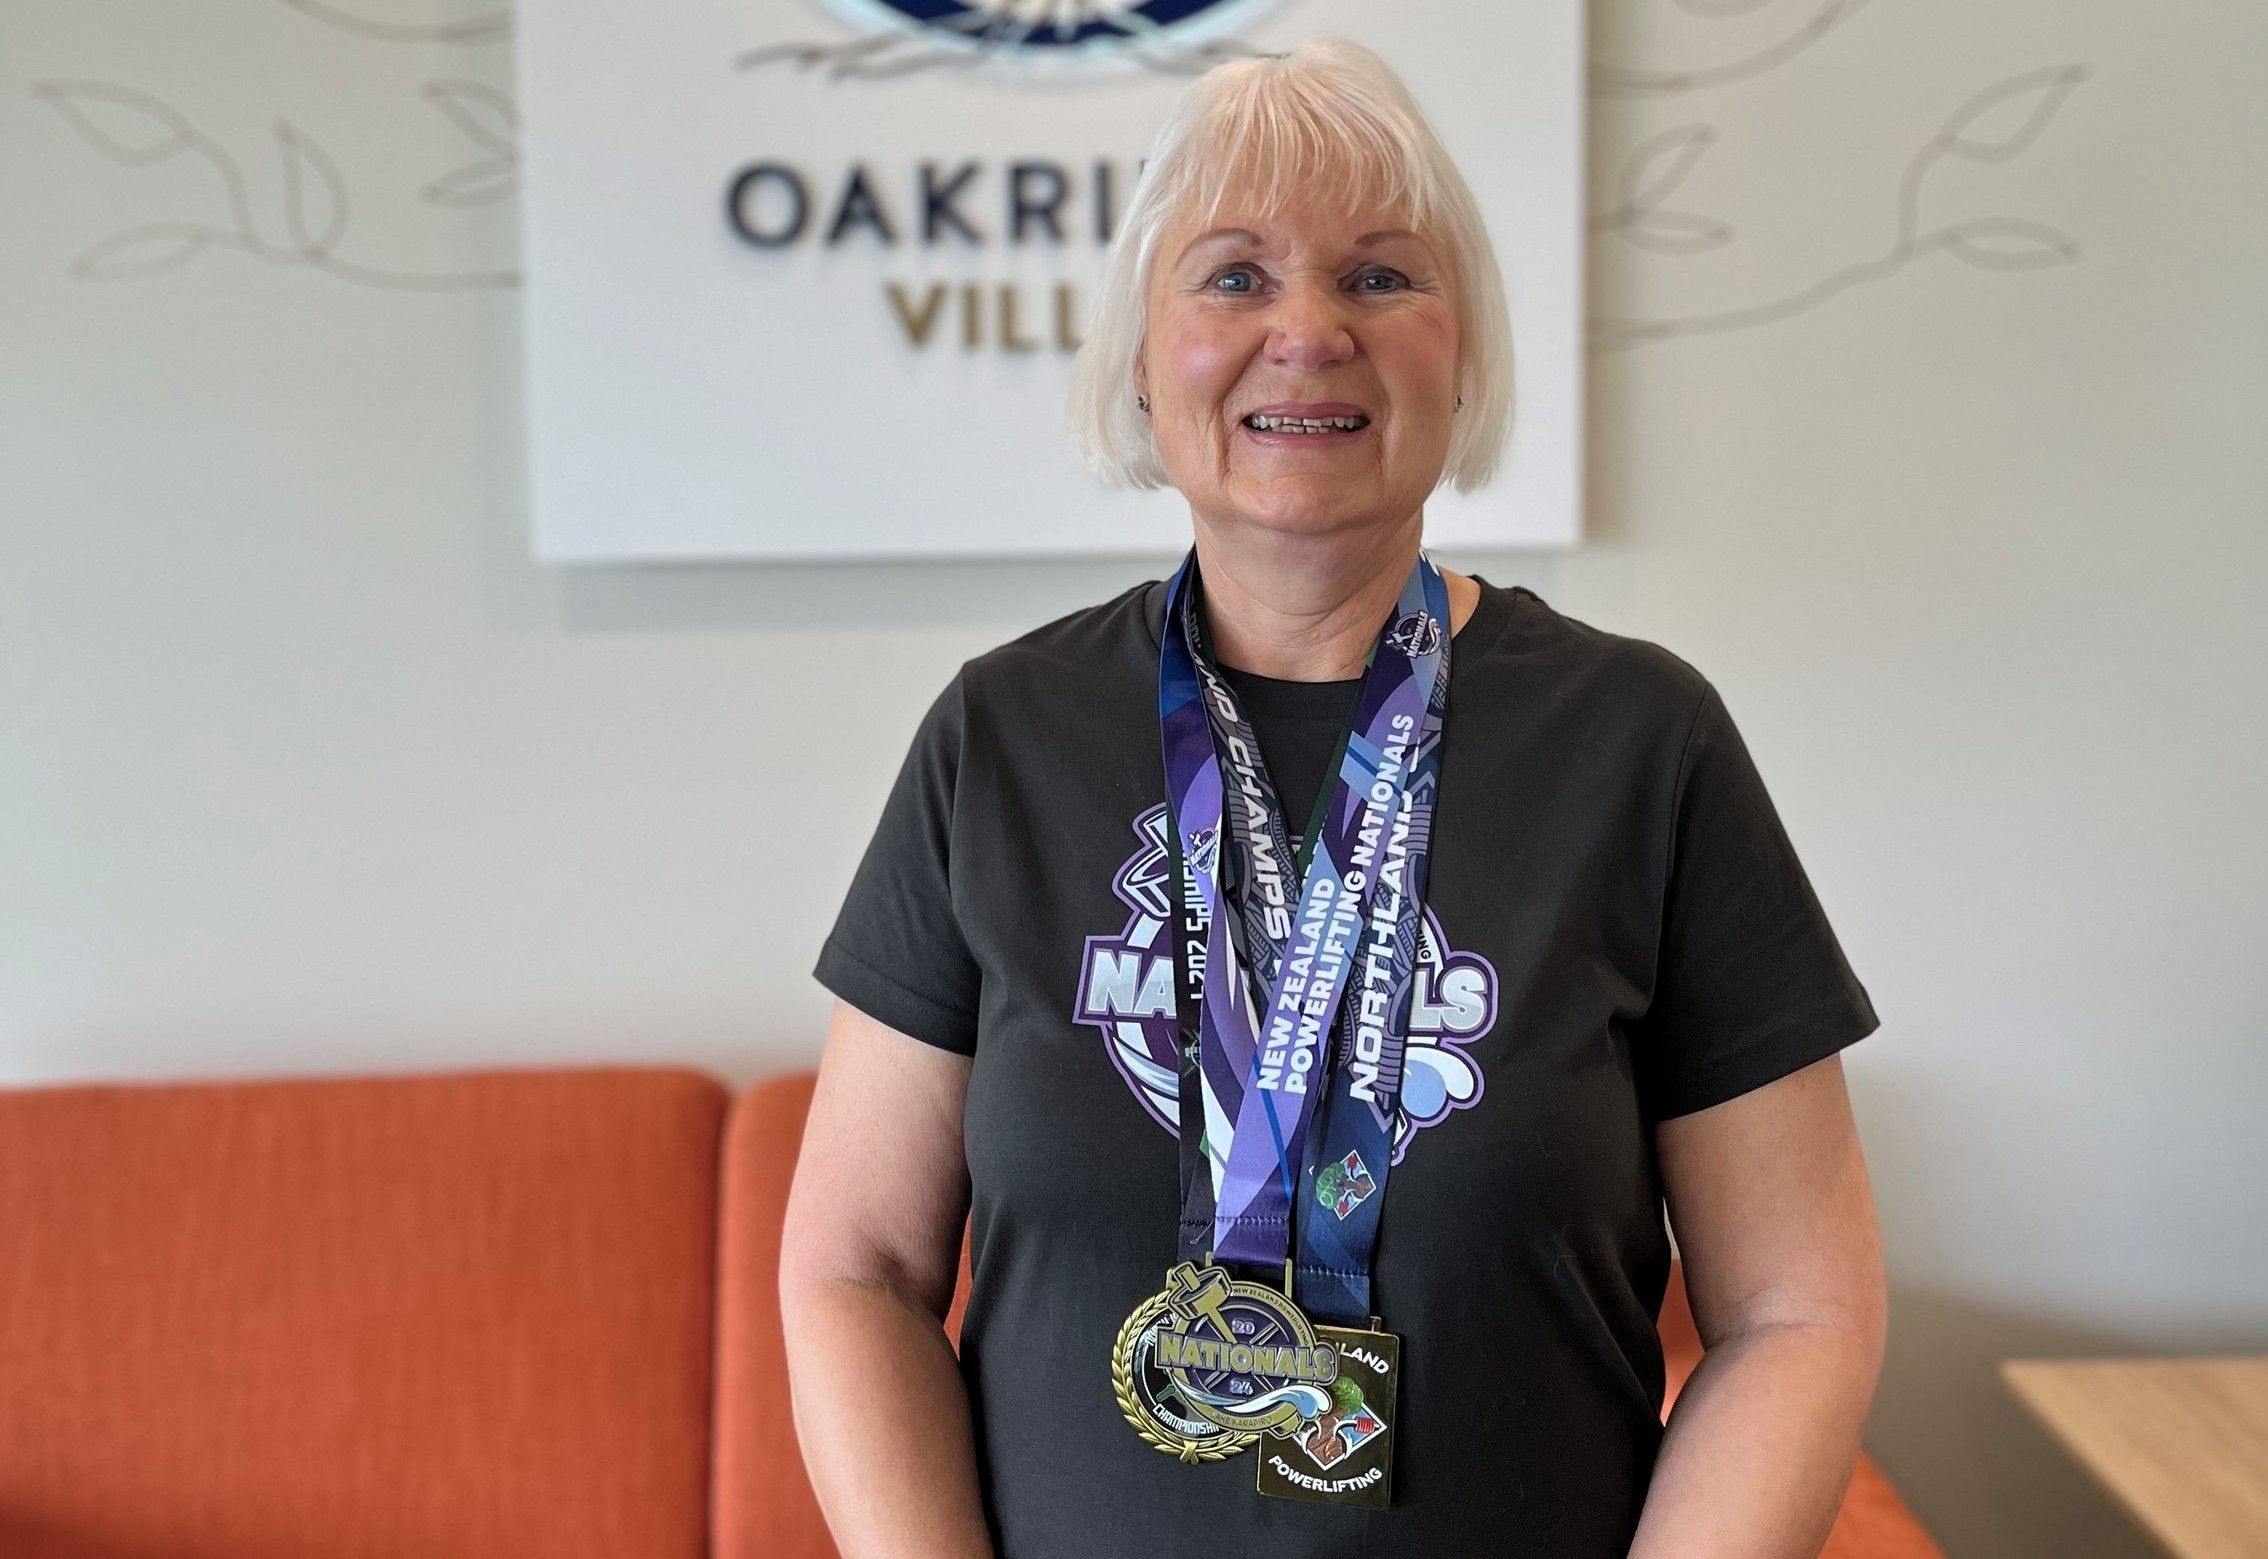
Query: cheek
1423, 357
1200, 364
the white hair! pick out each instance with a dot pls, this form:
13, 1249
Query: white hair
1329, 109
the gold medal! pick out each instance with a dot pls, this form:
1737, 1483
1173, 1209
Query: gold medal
1212, 1364
1207, 1364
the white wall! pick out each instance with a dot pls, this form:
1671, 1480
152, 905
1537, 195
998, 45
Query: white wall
305, 768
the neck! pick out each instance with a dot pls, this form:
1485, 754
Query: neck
1306, 608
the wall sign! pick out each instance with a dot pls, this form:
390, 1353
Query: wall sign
804, 277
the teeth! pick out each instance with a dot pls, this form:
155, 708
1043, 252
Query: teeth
1305, 424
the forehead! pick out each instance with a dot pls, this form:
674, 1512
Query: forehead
1275, 237
1273, 182
1240, 222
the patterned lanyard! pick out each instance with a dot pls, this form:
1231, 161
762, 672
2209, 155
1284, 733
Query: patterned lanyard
1269, 1107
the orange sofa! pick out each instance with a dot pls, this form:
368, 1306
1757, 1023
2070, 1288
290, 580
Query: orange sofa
471, 1315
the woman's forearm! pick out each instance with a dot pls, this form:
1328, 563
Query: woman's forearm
1760, 1446
884, 1422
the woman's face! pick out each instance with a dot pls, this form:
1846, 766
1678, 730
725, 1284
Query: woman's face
1319, 310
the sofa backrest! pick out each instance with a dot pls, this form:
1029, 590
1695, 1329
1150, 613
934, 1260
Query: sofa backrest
443, 1316
764, 1505
530, 1312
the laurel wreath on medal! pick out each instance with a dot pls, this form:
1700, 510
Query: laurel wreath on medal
1122, 1387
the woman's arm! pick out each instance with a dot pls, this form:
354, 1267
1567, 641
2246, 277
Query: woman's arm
869, 1255
1775, 1224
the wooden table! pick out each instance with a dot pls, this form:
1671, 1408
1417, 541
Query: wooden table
2182, 1443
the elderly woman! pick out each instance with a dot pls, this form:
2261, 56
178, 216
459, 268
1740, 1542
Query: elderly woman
1316, 1082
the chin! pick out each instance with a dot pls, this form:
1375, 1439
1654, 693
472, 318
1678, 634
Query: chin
1307, 508
1304, 524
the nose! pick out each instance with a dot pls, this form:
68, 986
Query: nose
1308, 328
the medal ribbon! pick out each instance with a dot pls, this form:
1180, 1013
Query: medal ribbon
1268, 1103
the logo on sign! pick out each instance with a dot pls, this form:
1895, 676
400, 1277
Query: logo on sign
1057, 29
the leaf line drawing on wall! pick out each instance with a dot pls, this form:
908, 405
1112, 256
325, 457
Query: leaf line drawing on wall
1650, 175
489, 121
138, 130
1610, 80
488, 28
1995, 125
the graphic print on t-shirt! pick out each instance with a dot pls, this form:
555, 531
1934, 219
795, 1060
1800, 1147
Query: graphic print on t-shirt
1126, 990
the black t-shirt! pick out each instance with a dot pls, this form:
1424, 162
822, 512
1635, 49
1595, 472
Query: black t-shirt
1617, 931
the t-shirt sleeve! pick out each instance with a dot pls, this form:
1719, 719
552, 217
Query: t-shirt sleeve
896, 951
1751, 983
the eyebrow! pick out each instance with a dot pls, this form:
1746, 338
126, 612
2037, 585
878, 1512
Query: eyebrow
1366, 241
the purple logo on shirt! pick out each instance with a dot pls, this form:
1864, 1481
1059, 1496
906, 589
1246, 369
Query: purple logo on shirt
1126, 991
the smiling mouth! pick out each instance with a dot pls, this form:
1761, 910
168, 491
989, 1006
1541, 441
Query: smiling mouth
1306, 427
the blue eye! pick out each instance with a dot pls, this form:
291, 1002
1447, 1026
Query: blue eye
1397, 278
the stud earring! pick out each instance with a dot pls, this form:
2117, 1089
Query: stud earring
1460, 403
1143, 401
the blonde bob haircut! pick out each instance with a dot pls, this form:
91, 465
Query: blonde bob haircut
1328, 113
